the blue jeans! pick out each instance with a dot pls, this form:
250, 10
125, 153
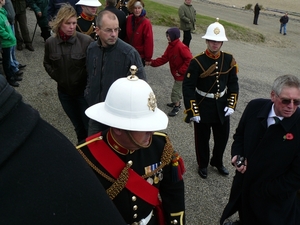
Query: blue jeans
74, 107
13, 61
283, 25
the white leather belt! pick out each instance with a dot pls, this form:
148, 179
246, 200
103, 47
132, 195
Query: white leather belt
211, 95
144, 221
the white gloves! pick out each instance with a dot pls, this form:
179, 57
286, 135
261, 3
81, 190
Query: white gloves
228, 111
196, 119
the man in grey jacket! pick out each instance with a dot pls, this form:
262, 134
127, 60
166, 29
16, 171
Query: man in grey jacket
187, 16
108, 59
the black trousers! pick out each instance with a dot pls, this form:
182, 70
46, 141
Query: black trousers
202, 133
187, 37
255, 19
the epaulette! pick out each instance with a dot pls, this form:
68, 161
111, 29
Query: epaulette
199, 54
171, 156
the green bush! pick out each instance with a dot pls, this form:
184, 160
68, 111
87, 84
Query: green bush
248, 7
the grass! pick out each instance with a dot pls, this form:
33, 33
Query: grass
164, 15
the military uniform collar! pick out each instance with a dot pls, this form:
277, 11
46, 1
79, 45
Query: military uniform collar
86, 17
212, 56
115, 145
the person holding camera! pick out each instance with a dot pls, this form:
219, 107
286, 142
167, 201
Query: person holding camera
264, 189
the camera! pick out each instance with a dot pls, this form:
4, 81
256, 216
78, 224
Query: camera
240, 160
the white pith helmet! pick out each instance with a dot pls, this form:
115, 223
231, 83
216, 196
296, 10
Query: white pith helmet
130, 104
215, 32
91, 3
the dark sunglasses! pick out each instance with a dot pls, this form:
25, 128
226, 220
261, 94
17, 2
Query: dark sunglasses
288, 101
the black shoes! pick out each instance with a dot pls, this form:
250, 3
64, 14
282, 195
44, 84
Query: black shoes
222, 170
13, 83
173, 104
202, 172
18, 78
19, 73
21, 66
174, 111
29, 47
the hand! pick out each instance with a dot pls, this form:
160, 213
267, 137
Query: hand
228, 111
39, 14
148, 63
196, 119
242, 168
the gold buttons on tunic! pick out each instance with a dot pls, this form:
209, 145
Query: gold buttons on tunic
133, 198
135, 216
135, 207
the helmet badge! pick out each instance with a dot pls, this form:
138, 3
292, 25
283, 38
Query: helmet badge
152, 102
216, 31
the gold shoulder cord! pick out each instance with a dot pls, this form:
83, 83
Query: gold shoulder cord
92, 165
88, 32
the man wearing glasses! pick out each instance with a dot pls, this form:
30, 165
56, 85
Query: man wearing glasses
268, 138
108, 59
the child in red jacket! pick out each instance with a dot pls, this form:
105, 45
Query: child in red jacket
178, 55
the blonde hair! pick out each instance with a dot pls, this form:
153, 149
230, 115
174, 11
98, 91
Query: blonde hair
65, 12
131, 3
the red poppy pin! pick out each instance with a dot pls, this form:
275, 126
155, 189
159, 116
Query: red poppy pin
288, 136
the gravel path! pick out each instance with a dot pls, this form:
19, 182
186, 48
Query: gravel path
259, 65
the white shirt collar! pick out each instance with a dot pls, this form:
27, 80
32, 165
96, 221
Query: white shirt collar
271, 115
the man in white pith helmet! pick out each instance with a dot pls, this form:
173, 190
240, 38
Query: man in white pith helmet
210, 90
134, 163
86, 22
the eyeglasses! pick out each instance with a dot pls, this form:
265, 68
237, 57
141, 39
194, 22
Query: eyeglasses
110, 31
286, 101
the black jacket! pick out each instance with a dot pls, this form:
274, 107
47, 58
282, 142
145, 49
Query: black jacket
43, 178
217, 75
266, 192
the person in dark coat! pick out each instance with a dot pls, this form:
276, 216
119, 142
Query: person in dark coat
21, 27
264, 189
256, 13
210, 91
283, 22
43, 178
40, 8
138, 167
111, 6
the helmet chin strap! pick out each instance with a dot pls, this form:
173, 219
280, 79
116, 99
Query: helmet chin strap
138, 144
87, 8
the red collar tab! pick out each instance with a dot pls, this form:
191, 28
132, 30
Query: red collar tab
115, 145
212, 56
86, 17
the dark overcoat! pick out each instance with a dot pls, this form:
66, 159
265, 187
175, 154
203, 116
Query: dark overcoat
266, 192
43, 179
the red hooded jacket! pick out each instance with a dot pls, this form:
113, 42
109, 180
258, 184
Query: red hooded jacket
177, 54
